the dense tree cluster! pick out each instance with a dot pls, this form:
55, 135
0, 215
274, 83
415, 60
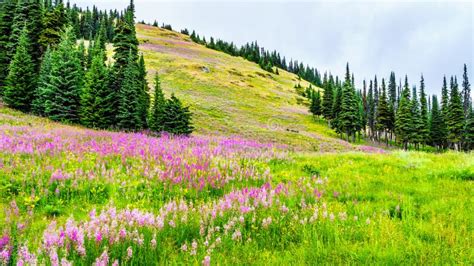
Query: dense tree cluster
51, 75
395, 114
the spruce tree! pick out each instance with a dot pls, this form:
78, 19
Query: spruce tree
21, 79
144, 98
53, 23
65, 83
438, 131
328, 99
415, 134
444, 99
42, 92
455, 120
392, 90
468, 139
128, 116
7, 14
177, 119
95, 96
315, 107
403, 121
336, 109
371, 110
466, 93
349, 115
383, 118
424, 126
157, 109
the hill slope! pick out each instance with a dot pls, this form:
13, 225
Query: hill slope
232, 96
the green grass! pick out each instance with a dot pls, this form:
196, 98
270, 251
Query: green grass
236, 97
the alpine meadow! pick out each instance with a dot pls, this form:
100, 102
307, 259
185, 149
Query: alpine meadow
124, 141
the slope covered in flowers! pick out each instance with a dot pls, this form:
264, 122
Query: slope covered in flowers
78, 196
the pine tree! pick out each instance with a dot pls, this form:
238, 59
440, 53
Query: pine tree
7, 14
466, 93
95, 96
444, 100
455, 120
415, 134
336, 109
42, 92
128, 116
315, 107
177, 119
403, 121
468, 139
438, 131
392, 90
144, 98
157, 109
349, 115
383, 118
53, 23
328, 99
424, 126
65, 83
371, 110
21, 79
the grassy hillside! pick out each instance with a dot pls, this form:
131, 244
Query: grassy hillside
232, 96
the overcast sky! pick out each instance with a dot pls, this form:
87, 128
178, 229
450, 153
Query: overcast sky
375, 37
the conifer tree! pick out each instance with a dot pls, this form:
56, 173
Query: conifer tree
392, 90
415, 134
383, 117
328, 99
7, 14
444, 99
455, 120
128, 116
403, 121
424, 126
371, 110
349, 116
144, 98
468, 139
65, 83
177, 119
466, 93
157, 109
21, 79
336, 109
315, 107
42, 91
53, 23
95, 96
438, 131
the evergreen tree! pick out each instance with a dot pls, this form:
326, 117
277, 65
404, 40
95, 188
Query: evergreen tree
7, 14
21, 79
315, 107
466, 93
95, 96
53, 23
455, 120
444, 100
392, 90
403, 121
328, 99
128, 116
65, 82
469, 132
336, 109
177, 119
438, 131
42, 92
383, 118
415, 134
424, 126
157, 109
349, 116
144, 98
371, 109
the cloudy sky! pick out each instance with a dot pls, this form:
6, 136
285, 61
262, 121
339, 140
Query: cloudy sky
409, 37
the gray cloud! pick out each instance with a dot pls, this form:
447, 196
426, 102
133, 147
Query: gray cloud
433, 38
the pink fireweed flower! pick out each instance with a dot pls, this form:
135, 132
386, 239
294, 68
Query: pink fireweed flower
206, 261
129, 253
184, 247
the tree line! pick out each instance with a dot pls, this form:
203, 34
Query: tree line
269, 61
396, 114
46, 72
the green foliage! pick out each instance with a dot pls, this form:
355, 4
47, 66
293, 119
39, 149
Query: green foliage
424, 125
7, 14
65, 81
349, 116
468, 139
177, 118
404, 120
455, 122
438, 130
21, 79
54, 21
43, 91
315, 107
328, 97
383, 111
128, 115
96, 95
157, 109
